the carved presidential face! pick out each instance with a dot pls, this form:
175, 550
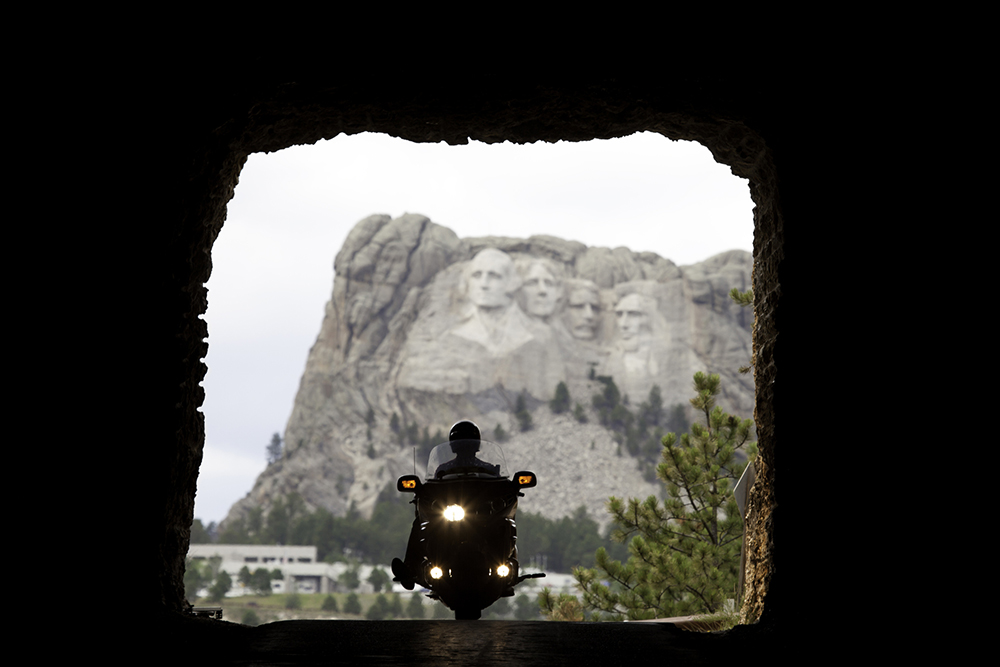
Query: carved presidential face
542, 291
583, 308
490, 279
632, 315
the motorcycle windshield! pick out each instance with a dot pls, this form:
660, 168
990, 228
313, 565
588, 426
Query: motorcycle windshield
467, 458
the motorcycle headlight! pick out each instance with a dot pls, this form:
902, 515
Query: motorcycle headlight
454, 513
436, 572
503, 571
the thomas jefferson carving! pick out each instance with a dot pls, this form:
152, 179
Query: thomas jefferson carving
542, 291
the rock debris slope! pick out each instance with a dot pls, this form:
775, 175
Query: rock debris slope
432, 328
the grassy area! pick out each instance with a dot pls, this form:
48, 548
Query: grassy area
270, 608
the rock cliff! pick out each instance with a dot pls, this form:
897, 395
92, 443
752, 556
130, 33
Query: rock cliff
432, 328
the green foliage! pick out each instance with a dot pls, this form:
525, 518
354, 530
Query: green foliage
379, 610
523, 414
379, 580
564, 607
330, 604
560, 545
274, 449
560, 402
250, 618
499, 435
352, 605
580, 414
415, 607
260, 581
373, 541
606, 401
293, 601
639, 433
395, 606
199, 535
684, 554
349, 579
218, 590
743, 299
194, 580
524, 608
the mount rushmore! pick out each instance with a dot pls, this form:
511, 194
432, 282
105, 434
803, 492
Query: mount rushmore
424, 328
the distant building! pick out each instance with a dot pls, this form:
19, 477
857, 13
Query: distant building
302, 572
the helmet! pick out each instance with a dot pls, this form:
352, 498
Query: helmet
464, 430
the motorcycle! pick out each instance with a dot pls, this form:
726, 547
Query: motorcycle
463, 544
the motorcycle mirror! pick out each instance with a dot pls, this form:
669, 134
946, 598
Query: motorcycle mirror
408, 484
525, 479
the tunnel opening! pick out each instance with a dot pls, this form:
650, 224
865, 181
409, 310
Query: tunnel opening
309, 111
618, 214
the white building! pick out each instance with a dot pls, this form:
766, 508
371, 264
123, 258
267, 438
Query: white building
302, 572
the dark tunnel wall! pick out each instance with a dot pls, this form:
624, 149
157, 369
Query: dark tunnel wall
204, 127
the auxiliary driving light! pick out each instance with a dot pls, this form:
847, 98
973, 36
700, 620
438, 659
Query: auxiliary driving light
454, 513
503, 571
436, 572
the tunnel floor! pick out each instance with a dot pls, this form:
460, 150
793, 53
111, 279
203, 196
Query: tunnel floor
444, 642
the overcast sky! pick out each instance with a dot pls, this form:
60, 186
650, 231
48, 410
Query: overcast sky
273, 262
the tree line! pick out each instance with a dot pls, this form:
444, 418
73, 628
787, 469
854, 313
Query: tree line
557, 544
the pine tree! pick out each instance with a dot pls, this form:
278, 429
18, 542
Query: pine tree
274, 449
560, 402
684, 554
522, 413
353, 604
415, 607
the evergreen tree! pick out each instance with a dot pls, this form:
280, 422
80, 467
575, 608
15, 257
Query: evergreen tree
330, 604
560, 402
260, 581
684, 555
499, 435
194, 580
522, 413
353, 604
274, 449
395, 606
222, 584
379, 609
199, 535
379, 580
349, 579
415, 607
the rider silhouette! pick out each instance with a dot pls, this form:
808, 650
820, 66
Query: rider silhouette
464, 438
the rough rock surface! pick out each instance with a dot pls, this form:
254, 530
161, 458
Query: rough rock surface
433, 328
